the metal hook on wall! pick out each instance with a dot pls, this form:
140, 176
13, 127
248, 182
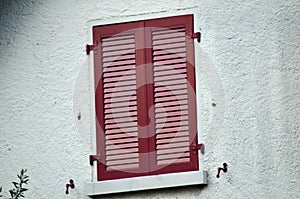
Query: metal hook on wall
224, 169
71, 184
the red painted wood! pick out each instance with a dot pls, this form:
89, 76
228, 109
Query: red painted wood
145, 97
163, 77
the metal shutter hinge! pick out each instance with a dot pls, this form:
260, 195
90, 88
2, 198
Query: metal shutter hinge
197, 147
88, 48
94, 158
197, 35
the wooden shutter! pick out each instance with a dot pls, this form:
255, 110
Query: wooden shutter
173, 94
118, 142
145, 97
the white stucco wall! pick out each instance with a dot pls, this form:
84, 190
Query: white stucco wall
250, 68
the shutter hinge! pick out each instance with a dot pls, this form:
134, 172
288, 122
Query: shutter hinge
94, 158
88, 48
197, 35
197, 147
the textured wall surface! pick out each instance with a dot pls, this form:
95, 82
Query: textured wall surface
250, 68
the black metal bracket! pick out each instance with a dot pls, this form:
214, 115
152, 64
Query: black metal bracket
224, 169
88, 48
197, 147
94, 158
197, 35
70, 185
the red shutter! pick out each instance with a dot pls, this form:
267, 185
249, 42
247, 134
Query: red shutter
116, 61
174, 112
145, 97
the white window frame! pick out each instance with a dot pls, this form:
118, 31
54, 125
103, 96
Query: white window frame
96, 187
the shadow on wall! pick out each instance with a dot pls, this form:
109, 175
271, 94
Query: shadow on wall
175, 192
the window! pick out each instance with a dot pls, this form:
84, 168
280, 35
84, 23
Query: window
145, 102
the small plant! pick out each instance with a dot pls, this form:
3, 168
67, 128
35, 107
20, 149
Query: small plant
19, 190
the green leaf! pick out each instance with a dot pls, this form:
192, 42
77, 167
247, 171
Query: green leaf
24, 189
16, 184
12, 193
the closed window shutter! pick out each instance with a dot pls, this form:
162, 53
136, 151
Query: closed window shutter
145, 98
173, 94
118, 142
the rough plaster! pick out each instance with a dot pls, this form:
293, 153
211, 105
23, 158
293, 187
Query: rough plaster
250, 48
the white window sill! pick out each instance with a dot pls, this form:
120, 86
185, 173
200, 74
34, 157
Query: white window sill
146, 182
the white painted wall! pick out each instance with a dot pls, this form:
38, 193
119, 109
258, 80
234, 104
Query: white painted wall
250, 69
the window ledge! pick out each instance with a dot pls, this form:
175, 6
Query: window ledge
146, 182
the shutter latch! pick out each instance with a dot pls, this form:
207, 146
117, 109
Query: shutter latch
88, 48
196, 35
197, 147
94, 158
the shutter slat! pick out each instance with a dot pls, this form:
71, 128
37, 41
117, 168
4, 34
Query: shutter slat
176, 145
181, 71
170, 62
115, 54
170, 88
119, 84
129, 160
119, 135
123, 156
169, 46
122, 126
172, 150
173, 156
118, 48
116, 38
117, 42
122, 146
172, 129
157, 42
117, 70
120, 99
121, 132
174, 139
123, 167
171, 124
119, 151
167, 31
123, 114
168, 56
121, 120
120, 57
170, 98
120, 105
121, 109
170, 67
130, 88
119, 63
121, 141
168, 35
171, 82
172, 103
172, 134
178, 51
174, 161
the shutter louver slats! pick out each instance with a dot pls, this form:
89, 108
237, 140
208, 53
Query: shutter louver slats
170, 96
120, 102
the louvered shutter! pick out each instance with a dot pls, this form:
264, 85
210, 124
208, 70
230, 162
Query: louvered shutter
174, 110
118, 143
145, 97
